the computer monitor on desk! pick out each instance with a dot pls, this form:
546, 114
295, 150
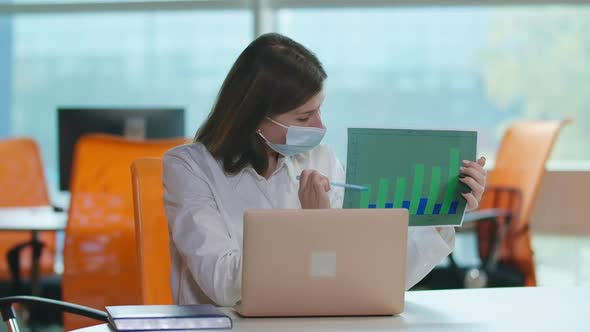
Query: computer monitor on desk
133, 123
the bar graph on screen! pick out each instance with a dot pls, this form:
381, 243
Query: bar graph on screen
413, 169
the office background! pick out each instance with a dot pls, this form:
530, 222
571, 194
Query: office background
394, 63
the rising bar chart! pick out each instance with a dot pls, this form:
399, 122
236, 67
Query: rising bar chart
416, 170
417, 204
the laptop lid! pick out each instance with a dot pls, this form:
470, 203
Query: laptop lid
326, 262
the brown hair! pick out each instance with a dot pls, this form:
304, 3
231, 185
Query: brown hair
273, 75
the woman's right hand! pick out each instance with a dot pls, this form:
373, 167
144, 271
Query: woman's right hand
313, 190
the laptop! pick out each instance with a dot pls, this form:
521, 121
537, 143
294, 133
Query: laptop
326, 262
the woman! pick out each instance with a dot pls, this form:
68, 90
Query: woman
263, 132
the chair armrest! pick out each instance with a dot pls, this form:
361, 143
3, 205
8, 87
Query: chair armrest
13, 260
486, 214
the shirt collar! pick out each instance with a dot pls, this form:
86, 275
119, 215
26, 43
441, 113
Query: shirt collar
286, 162
301, 156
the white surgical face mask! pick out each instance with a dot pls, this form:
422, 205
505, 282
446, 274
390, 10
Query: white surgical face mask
299, 139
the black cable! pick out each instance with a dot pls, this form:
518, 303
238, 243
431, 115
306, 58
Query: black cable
7, 313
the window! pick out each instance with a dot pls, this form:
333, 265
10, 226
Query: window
139, 59
473, 68
452, 68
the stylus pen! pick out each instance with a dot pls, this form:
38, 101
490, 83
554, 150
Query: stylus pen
345, 185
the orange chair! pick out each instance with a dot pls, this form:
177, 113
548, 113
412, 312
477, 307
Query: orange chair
100, 261
502, 222
151, 231
22, 184
520, 164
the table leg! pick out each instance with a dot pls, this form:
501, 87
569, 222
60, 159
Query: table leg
37, 247
35, 274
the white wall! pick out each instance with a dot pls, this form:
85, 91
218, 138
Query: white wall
563, 205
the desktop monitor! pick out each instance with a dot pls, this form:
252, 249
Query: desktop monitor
133, 123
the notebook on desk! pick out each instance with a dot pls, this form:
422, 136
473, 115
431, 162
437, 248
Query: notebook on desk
123, 318
331, 262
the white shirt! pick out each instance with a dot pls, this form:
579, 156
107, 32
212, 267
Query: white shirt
205, 208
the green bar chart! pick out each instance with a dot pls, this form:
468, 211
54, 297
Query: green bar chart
413, 169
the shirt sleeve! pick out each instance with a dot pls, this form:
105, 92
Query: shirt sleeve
337, 193
199, 233
427, 246
328, 164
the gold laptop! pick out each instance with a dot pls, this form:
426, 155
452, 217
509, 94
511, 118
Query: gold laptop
329, 262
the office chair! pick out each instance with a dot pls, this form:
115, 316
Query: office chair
151, 230
23, 185
100, 260
502, 222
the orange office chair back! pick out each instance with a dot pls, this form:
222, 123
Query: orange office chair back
100, 261
151, 231
22, 184
520, 164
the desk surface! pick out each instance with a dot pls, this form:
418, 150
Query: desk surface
500, 309
32, 219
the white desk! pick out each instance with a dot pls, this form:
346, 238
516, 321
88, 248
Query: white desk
33, 219
500, 309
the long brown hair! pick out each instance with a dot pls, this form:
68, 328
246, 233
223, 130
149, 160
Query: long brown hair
273, 75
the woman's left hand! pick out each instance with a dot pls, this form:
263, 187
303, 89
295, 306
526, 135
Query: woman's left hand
475, 178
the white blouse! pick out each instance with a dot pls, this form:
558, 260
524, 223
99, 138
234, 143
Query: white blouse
205, 208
